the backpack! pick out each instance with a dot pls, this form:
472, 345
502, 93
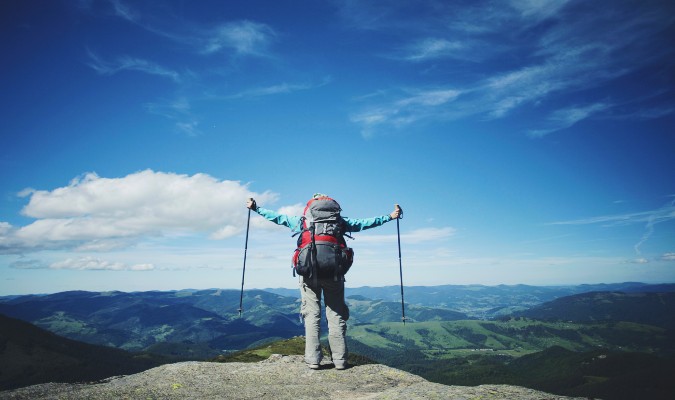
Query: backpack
322, 251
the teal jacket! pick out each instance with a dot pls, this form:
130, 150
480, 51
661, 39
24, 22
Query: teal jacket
293, 222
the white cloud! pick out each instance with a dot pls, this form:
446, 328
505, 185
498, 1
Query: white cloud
5, 227
106, 213
423, 235
104, 245
668, 257
83, 263
295, 209
95, 264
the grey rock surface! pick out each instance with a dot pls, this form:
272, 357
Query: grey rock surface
279, 377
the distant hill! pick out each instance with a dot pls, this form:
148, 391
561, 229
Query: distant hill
32, 355
194, 324
486, 302
657, 309
367, 311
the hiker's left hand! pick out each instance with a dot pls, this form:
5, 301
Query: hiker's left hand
250, 204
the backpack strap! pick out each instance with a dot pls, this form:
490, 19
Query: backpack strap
313, 272
301, 224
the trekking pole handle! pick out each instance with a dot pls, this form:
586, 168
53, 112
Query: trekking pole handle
400, 211
254, 206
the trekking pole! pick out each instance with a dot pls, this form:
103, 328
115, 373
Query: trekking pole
243, 271
400, 264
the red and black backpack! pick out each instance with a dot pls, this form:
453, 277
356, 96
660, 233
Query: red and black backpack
322, 251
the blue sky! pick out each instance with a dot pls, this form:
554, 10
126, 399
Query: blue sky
528, 141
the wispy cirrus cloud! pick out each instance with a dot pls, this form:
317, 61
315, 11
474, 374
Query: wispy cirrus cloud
405, 110
432, 48
565, 118
649, 218
237, 38
125, 11
180, 112
282, 88
556, 50
187, 120
242, 37
127, 63
538, 9
663, 214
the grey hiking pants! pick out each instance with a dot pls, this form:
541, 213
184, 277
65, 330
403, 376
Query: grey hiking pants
337, 314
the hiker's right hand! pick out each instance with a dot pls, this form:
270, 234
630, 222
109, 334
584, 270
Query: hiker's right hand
397, 213
250, 204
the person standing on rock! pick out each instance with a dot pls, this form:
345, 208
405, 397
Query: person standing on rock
322, 258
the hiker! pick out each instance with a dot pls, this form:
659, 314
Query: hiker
313, 282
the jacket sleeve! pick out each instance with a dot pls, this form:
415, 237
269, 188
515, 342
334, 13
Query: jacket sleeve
357, 225
292, 222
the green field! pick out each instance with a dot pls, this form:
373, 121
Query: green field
515, 337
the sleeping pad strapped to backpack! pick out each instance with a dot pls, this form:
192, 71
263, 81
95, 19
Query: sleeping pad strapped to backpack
322, 251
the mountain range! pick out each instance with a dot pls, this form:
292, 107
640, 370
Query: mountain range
198, 324
440, 342
657, 309
487, 302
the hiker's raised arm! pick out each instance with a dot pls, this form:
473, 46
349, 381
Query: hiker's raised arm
292, 222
